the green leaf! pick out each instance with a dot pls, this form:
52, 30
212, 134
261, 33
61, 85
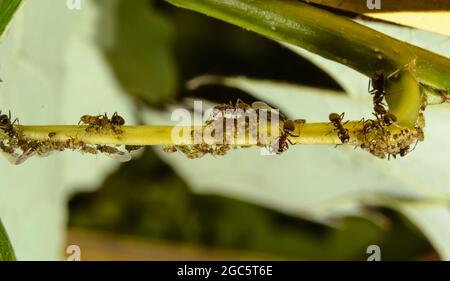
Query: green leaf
136, 42
322, 182
7, 10
58, 75
329, 35
6, 250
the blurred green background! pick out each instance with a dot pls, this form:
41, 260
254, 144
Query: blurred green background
154, 49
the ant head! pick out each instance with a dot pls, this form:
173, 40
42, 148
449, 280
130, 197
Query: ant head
289, 126
334, 117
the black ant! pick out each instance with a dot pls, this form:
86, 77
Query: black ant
117, 120
376, 88
377, 83
8, 126
288, 130
336, 119
100, 122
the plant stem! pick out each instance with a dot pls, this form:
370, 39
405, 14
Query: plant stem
328, 35
310, 133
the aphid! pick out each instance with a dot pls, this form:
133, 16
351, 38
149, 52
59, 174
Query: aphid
97, 122
169, 148
107, 149
89, 120
45, 148
6, 148
114, 153
421, 120
130, 148
368, 126
219, 111
242, 105
29, 149
220, 150
88, 149
73, 143
389, 119
336, 119
190, 151
420, 134
404, 151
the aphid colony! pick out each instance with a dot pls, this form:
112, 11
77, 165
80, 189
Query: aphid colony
18, 149
373, 135
375, 138
245, 117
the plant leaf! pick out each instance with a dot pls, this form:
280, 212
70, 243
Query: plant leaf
317, 182
135, 40
52, 81
6, 250
7, 10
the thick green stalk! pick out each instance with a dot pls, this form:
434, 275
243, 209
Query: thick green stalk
328, 35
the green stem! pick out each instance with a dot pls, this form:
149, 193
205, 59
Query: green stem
309, 133
328, 35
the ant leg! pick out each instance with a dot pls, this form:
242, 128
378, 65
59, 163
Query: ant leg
333, 130
417, 141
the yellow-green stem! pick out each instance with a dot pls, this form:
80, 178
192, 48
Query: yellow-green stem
310, 133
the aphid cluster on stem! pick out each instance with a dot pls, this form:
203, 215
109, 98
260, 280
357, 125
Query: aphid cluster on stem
374, 136
17, 148
240, 116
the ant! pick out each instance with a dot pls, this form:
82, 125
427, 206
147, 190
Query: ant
377, 83
117, 120
288, 130
102, 121
96, 122
8, 126
336, 119
376, 88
